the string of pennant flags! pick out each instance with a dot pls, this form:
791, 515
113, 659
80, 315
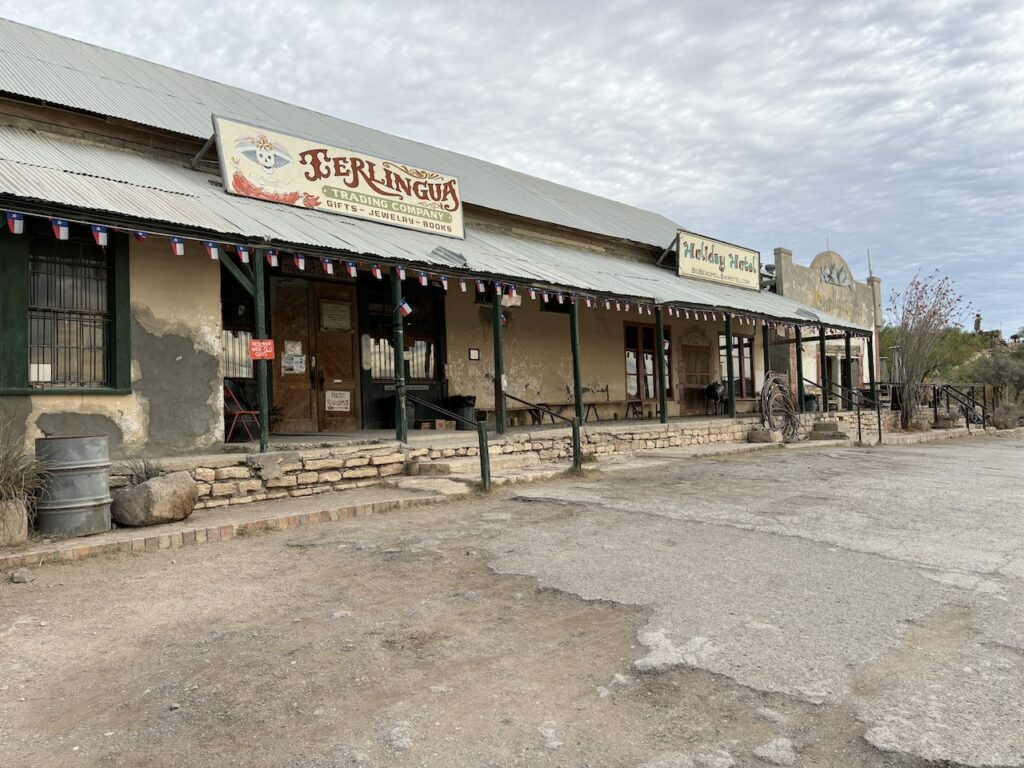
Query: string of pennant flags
101, 234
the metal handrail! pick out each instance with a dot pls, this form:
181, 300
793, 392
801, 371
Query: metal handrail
966, 400
577, 453
481, 432
851, 396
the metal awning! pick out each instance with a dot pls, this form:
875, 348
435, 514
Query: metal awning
117, 187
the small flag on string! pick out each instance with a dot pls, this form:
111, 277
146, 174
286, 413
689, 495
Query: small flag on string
299, 260
648, 309
588, 301
544, 296
639, 309
561, 298
618, 306
686, 314
572, 298
211, 249
375, 271
499, 289
404, 308
607, 304
444, 282
243, 253
178, 246
60, 228
705, 316
352, 269
15, 222
139, 234
626, 306
401, 272
271, 257
533, 292
328, 265
462, 284
423, 278
480, 286
513, 291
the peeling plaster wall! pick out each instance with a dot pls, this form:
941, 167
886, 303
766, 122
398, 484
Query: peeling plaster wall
176, 403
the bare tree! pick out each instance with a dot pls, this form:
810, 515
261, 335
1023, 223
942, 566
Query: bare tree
919, 315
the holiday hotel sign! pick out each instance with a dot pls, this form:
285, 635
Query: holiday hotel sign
720, 262
290, 170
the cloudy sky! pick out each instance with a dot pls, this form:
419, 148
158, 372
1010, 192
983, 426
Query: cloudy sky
891, 126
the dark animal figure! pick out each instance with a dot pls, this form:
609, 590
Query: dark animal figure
714, 395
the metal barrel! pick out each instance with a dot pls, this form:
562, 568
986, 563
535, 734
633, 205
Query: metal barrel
76, 495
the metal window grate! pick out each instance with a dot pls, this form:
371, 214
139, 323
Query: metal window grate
69, 319
235, 346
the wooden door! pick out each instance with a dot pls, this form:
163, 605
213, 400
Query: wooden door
294, 387
336, 364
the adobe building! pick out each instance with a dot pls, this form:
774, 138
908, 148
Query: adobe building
827, 284
158, 223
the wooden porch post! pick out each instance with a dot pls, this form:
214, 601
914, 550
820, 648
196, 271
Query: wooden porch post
662, 366
398, 341
823, 364
729, 367
574, 340
500, 414
262, 374
799, 368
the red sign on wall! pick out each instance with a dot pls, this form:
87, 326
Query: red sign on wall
261, 349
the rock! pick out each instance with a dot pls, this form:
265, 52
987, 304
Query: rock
400, 737
175, 705
718, 759
23, 576
777, 752
164, 499
770, 715
548, 731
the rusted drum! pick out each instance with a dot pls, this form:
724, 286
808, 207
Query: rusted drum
75, 500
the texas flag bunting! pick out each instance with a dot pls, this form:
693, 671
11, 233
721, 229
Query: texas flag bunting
401, 273
561, 299
178, 246
423, 278
211, 249
352, 269
375, 271
480, 286
15, 222
243, 253
60, 228
587, 300
533, 292
404, 308
299, 260
444, 282
99, 234
139, 234
328, 266
271, 257
513, 291
462, 284
607, 304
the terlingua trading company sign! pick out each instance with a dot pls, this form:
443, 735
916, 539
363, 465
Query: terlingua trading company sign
709, 259
286, 169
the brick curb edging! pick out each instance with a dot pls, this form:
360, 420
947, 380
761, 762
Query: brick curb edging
136, 541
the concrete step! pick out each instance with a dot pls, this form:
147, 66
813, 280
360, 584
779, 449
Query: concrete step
471, 464
828, 435
543, 471
826, 427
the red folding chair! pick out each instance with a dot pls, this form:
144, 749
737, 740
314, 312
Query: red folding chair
237, 412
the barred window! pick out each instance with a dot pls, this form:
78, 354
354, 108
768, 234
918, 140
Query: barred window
69, 317
235, 353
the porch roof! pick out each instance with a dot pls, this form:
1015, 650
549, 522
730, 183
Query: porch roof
41, 172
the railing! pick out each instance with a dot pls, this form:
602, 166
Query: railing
481, 432
577, 454
850, 397
966, 403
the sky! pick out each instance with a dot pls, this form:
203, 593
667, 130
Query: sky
893, 127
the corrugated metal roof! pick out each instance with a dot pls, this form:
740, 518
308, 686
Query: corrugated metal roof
76, 174
42, 65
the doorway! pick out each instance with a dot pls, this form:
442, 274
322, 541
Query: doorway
316, 369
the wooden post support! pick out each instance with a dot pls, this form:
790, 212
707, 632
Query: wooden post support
766, 349
662, 365
500, 414
823, 364
730, 367
574, 340
398, 341
871, 368
848, 376
262, 374
799, 369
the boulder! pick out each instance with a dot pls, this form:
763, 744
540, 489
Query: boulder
13, 523
163, 499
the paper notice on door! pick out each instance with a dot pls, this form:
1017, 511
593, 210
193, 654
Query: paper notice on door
335, 315
293, 347
293, 364
338, 400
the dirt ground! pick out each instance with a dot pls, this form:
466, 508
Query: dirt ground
393, 641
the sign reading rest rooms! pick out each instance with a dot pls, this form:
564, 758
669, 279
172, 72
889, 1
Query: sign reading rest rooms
286, 169
719, 262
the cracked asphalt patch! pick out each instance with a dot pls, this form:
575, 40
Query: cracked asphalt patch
831, 576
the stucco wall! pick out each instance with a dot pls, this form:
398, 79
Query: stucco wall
176, 401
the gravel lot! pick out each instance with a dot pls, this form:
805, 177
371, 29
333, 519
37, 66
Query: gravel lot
829, 606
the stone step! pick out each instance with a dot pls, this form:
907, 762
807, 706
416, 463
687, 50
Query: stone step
837, 435
471, 464
826, 427
542, 471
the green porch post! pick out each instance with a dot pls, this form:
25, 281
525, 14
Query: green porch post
662, 366
800, 368
766, 345
398, 322
823, 364
848, 375
500, 414
262, 374
574, 340
729, 367
871, 367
